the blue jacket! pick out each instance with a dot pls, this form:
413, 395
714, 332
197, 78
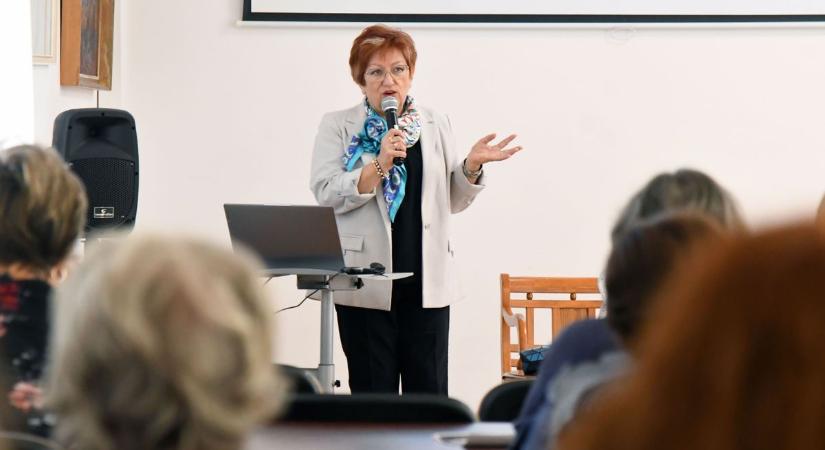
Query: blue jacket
581, 342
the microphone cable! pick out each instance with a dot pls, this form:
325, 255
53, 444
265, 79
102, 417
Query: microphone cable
299, 303
303, 299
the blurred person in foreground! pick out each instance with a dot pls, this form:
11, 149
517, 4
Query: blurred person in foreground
733, 359
161, 343
639, 263
683, 191
42, 214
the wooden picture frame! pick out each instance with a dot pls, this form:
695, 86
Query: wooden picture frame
45, 27
86, 41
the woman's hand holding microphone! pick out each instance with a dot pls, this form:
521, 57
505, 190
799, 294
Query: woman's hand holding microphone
392, 146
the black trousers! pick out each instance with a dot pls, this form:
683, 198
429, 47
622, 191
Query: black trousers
407, 343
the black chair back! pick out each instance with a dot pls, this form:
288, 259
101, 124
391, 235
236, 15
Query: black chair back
302, 382
377, 408
503, 402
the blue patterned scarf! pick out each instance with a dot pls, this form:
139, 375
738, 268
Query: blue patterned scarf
369, 140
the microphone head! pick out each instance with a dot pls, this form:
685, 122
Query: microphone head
389, 103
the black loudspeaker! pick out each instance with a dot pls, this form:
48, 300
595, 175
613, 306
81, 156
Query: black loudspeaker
100, 145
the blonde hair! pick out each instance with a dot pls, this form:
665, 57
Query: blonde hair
684, 190
42, 208
162, 343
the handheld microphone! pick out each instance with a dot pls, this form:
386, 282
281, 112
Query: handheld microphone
389, 105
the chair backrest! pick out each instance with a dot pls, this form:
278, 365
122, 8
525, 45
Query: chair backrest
376, 408
302, 381
519, 293
503, 402
12, 440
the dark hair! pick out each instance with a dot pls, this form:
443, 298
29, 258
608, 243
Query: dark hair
42, 208
642, 258
734, 359
685, 189
375, 39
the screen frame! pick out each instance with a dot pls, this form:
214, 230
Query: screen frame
250, 16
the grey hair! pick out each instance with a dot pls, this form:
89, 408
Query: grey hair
159, 343
684, 190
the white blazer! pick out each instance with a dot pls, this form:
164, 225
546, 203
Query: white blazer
363, 222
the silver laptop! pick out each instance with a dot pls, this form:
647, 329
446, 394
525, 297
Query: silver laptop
291, 240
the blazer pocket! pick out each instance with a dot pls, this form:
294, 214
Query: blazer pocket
352, 242
353, 246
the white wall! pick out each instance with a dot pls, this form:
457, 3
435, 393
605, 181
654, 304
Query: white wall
51, 99
16, 87
228, 114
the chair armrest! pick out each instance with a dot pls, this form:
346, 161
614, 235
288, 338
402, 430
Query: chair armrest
522, 335
518, 322
511, 319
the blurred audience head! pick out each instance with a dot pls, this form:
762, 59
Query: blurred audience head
643, 257
42, 209
820, 214
683, 190
161, 343
733, 359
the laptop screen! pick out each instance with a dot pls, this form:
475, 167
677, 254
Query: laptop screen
299, 240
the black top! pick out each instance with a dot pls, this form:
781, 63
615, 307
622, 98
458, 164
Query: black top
24, 337
24, 327
406, 228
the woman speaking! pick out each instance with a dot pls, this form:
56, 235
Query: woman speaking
393, 189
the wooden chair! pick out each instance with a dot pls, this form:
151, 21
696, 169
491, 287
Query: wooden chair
519, 292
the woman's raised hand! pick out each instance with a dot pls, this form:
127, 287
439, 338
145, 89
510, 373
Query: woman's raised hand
483, 151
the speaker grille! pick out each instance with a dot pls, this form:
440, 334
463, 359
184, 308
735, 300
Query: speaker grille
110, 183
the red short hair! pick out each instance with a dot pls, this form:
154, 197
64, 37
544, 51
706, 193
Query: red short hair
375, 39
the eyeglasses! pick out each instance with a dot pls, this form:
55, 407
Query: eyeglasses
378, 74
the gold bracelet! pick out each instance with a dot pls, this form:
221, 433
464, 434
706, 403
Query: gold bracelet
378, 169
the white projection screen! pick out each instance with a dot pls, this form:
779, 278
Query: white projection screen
536, 11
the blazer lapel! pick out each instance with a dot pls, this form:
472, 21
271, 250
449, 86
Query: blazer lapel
354, 121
